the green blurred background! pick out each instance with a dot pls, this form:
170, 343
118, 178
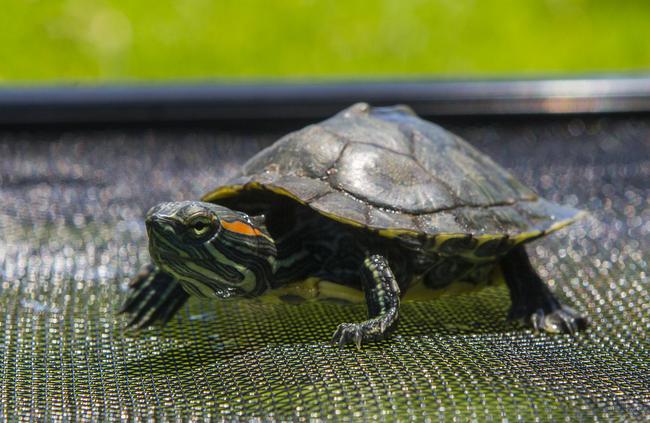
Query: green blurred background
117, 40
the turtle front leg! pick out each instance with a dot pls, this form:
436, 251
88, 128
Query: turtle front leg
532, 301
154, 296
382, 297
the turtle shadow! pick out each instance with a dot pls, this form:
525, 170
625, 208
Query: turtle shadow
206, 334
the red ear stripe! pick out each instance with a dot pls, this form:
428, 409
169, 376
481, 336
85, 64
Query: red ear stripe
241, 228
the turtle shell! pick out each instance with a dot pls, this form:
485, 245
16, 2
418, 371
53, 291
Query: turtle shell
388, 170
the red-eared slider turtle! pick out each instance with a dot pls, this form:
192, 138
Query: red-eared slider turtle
372, 201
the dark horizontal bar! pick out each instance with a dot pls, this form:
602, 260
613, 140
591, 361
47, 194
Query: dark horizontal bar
278, 101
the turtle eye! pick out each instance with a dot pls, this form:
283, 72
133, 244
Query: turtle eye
200, 226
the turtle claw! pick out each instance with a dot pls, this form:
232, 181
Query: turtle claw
347, 333
358, 333
561, 320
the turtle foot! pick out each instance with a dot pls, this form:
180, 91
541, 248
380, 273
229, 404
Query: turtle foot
348, 333
561, 320
154, 296
359, 333
382, 297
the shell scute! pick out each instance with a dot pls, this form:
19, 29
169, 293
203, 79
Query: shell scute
389, 180
309, 152
347, 209
363, 128
381, 218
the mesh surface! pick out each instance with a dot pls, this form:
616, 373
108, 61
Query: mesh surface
71, 234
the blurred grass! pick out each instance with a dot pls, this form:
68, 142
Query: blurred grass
107, 40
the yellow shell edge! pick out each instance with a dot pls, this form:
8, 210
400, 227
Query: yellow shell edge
232, 190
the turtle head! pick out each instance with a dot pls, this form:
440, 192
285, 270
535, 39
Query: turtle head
211, 250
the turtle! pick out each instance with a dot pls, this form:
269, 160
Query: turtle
373, 204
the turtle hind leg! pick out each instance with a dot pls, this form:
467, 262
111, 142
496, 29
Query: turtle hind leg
382, 297
154, 296
533, 301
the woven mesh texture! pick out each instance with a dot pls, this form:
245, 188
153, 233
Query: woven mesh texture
71, 234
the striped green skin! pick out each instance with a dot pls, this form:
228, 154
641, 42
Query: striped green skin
214, 252
235, 256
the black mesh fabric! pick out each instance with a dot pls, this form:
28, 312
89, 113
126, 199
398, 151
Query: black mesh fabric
71, 234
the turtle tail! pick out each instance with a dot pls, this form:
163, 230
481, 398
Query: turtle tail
154, 297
